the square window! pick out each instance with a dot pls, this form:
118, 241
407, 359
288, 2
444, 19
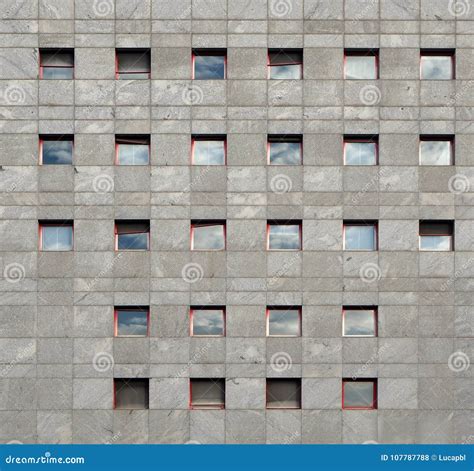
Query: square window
285, 64
56, 236
209, 64
436, 150
56, 64
361, 64
56, 149
207, 235
285, 150
283, 393
132, 235
359, 394
437, 65
207, 321
437, 236
132, 150
132, 64
132, 321
207, 393
360, 150
360, 236
284, 321
284, 236
208, 150
359, 321
131, 393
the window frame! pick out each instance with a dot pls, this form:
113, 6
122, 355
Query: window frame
125, 50
269, 380
212, 52
298, 222
54, 223
360, 139
220, 406
439, 53
114, 405
192, 309
57, 138
375, 316
117, 309
360, 223
283, 308
289, 51
374, 405
451, 242
116, 234
208, 222
131, 137
363, 52
42, 50
297, 138
435, 138
208, 137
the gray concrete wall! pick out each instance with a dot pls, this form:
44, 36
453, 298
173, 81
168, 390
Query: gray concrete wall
56, 313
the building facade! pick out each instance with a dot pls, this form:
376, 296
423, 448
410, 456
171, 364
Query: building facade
236, 221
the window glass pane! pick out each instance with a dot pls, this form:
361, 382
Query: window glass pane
209, 67
208, 321
283, 322
358, 394
436, 67
207, 393
57, 58
56, 238
210, 152
284, 237
291, 71
133, 65
131, 393
132, 322
360, 153
359, 322
57, 152
208, 237
359, 237
285, 153
133, 154
284, 393
58, 73
285, 57
133, 241
361, 67
435, 153
438, 243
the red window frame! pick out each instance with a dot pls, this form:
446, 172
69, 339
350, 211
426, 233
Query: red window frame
289, 51
208, 137
206, 406
114, 401
374, 310
364, 380
131, 49
285, 223
145, 137
363, 139
192, 309
283, 308
438, 137
451, 236
116, 234
42, 67
360, 223
271, 138
283, 408
440, 53
54, 223
54, 137
208, 52
363, 53
208, 222
132, 308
